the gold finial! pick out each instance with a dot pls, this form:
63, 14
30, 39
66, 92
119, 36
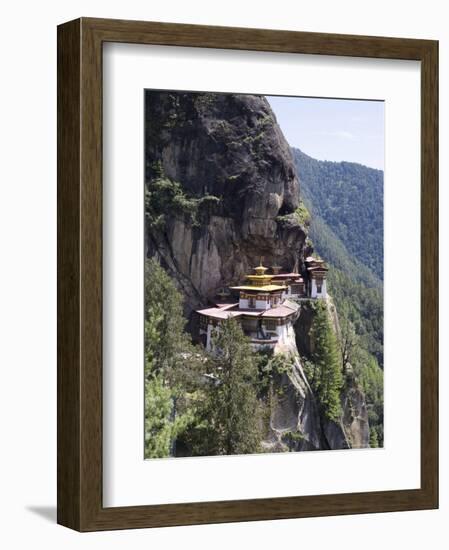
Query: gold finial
260, 270
260, 267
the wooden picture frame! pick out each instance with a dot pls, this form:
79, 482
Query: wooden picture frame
80, 504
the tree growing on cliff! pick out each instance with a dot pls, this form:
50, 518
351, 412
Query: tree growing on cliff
170, 363
327, 379
163, 423
348, 342
232, 409
370, 377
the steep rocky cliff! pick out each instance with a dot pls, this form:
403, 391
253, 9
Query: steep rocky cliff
225, 157
296, 422
231, 148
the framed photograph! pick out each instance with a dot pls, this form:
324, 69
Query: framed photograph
247, 274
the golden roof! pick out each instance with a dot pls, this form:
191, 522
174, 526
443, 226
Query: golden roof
262, 288
259, 280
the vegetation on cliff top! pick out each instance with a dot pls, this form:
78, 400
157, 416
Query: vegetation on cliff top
166, 198
300, 215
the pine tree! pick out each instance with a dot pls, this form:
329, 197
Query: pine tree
162, 423
370, 377
373, 439
165, 339
328, 379
233, 410
171, 363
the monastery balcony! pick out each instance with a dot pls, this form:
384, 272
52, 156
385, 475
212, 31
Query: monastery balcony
270, 341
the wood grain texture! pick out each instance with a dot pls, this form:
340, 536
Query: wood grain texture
69, 407
80, 274
429, 271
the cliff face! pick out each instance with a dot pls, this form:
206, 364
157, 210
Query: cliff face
231, 147
296, 423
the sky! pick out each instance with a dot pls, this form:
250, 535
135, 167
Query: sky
333, 129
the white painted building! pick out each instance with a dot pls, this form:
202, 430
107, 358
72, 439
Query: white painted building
318, 289
267, 306
265, 315
317, 274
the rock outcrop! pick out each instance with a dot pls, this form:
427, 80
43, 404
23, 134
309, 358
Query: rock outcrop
295, 422
352, 429
230, 147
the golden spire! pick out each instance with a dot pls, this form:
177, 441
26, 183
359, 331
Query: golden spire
260, 269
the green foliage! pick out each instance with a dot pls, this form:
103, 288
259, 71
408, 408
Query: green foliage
373, 438
326, 377
166, 342
171, 363
230, 414
331, 192
235, 406
356, 291
204, 101
349, 198
329, 246
363, 307
271, 365
380, 433
346, 202
156, 169
291, 437
360, 312
208, 416
370, 377
309, 369
162, 424
165, 198
302, 214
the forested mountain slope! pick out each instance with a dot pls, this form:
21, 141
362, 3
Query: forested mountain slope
335, 194
348, 198
345, 201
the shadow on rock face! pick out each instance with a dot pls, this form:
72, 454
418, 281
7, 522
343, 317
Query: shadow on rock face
227, 146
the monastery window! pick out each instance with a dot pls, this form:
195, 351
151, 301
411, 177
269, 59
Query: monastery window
252, 302
270, 325
319, 286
